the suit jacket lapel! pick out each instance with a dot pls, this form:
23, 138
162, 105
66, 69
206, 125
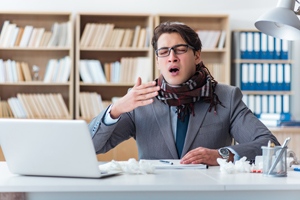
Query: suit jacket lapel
162, 115
201, 110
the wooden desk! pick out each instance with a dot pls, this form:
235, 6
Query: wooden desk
163, 185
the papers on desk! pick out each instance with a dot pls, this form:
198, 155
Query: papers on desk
175, 164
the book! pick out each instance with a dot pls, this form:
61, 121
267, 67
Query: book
9, 33
55, 35
14, 37
127, 38
63, 110
222, 39
33, 38
26, 71
84, 36
289, 123
136, 36
66, 70
19, 36
63, 34
95, 37
39, 35
107, 33
4, 31
45, 39
26, 36
142, 38
90, 35
120, 37
99, 31
19, 72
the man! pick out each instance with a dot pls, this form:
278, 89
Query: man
184, 114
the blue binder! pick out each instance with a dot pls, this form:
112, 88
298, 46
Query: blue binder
287, 77
271, 104
249, 47
284, 49
264, 46
256, 45
258, 77
278, 104
286, 103
251, 76
270, 50
277, 52
243, 45
280, 76
244, 76
266, 76
264, 103
258, 103
273, 77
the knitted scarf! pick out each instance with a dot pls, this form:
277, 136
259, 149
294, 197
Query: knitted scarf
200, 86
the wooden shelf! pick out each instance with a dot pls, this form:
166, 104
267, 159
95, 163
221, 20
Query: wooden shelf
106, 54
39, 56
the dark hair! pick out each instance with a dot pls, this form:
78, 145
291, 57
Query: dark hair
186, 32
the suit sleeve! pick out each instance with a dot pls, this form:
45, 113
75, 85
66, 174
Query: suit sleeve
249, 133
108, 136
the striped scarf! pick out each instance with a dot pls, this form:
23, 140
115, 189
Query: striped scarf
200, 85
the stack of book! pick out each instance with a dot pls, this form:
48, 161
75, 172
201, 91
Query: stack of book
5, 110
12, 71
30, 36
91, 104
212, 39
275, 119
125, 71
58, 70
41, 106
100, 35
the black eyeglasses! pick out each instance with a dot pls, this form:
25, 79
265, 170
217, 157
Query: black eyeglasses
178, 49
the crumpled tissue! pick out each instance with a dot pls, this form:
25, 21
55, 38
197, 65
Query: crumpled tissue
239, 166
132, 166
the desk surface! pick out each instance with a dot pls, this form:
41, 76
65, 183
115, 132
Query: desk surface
164, 184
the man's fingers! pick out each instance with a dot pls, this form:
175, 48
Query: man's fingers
138, 82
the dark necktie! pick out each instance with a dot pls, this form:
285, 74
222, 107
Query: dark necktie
181, 133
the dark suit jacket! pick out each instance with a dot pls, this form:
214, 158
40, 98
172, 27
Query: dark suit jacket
151, 127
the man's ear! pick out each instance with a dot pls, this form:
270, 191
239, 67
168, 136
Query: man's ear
197, 57
157, 64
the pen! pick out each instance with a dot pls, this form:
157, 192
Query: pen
167, 162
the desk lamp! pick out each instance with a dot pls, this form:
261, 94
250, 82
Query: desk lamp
281, 22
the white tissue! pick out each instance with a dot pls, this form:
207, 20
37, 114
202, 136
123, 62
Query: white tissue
130, 167
240, 166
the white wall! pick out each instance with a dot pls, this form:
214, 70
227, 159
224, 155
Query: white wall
242, 13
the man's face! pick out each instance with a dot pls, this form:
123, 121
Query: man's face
176, 69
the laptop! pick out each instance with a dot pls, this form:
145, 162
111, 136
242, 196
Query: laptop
39, 147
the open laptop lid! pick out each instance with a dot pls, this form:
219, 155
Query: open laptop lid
48, 148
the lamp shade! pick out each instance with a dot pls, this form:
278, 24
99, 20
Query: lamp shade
280, 22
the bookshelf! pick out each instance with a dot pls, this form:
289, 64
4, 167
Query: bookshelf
120, 62
104, 49
256, 51
216, 57
263, 67
36, 53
